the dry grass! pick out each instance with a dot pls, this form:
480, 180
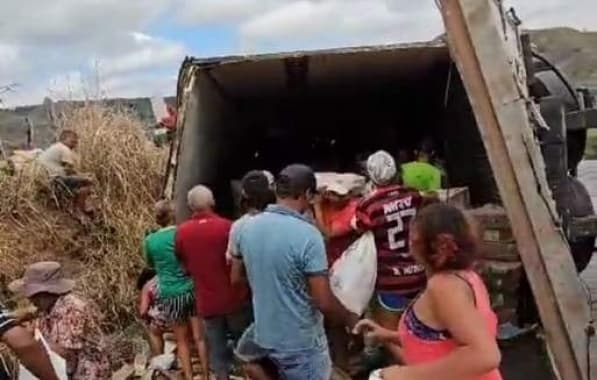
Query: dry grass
104, 257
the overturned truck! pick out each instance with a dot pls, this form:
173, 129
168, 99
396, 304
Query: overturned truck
327, 108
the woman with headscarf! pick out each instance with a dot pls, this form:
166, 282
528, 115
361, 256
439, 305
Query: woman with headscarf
69, 323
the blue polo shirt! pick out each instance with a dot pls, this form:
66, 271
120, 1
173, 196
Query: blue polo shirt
280, 249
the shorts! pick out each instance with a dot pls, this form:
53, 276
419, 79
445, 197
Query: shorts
219, 331
70, 183
177, 309
392, 302
156, 318
247, 350
311, 364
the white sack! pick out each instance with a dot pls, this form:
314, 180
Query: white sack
57, 361
353, 275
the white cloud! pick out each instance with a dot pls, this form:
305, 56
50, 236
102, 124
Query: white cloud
327, 23
219, 11
340, 22
145, 53
43, 42
65, 22
10, 56
142, 85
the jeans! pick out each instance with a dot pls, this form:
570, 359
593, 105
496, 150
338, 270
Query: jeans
218, 332
310, 364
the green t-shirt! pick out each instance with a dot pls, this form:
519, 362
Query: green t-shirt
421, 176
160, 255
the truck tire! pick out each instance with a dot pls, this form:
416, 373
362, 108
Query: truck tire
578, 203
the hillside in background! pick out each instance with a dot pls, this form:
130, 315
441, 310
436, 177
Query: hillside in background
572, 51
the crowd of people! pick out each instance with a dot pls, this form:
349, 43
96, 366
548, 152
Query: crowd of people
257, 290
262, 282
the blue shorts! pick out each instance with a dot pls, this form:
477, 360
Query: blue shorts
247, 350
393, 302
311, 364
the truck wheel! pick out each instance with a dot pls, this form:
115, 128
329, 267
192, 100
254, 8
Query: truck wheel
578, 203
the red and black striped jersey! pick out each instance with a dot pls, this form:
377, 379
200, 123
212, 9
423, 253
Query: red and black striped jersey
388, 212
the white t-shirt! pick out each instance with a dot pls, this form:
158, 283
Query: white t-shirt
56, 157
232, 250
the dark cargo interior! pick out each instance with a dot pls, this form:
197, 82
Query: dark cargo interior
328, 109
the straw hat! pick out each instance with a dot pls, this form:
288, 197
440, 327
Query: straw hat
42, 277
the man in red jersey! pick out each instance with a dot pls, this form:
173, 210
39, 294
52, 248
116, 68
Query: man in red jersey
387, 211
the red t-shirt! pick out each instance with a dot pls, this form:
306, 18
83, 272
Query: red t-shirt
201, 245
387, 212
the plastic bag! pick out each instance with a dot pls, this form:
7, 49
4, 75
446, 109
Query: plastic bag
354, 274
376, 375
57, 361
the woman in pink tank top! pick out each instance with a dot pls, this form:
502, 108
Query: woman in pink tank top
449, 331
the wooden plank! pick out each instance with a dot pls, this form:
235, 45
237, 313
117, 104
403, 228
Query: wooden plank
481, 42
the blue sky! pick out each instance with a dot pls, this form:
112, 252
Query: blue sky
68, 49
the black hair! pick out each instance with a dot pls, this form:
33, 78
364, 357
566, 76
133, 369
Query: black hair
256, 191
427, 147
295, 180
144, 277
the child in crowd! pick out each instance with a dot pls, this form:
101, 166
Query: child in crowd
449, 331
147, 284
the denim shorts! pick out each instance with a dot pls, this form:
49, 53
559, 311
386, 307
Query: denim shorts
247, 350
219, 332
310, 364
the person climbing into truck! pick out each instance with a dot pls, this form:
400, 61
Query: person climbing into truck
422, 174
450, 329
60, 161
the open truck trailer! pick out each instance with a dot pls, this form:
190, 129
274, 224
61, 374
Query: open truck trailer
507, 124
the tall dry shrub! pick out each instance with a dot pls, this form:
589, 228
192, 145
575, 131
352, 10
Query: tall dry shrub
104, 256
